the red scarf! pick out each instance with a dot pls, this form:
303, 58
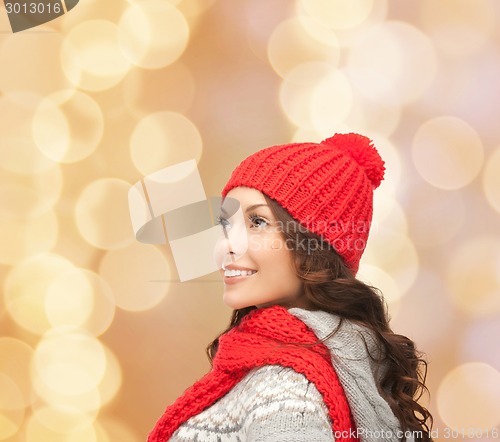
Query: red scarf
264, 337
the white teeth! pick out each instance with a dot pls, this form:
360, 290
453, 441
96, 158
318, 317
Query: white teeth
231, 273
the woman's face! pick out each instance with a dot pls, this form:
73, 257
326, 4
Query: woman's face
258, 269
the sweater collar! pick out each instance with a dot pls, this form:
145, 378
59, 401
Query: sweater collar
350, 349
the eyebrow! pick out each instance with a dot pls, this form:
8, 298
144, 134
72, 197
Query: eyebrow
248, 209
254, 206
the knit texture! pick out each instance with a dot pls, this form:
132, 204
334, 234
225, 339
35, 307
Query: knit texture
271, 403
268, 336
327, 187
351, 349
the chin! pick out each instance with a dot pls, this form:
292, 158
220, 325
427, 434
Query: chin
235, 304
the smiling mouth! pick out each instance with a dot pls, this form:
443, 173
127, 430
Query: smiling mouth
235, 273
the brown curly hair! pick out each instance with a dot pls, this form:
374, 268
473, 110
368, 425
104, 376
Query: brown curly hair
330, 286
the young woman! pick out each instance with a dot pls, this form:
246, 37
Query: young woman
308, 355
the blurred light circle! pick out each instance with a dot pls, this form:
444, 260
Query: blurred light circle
325, 36
18, 151
469, 397
476, 346
103, 304
475, 105
458, 27
90, 401
447, 152
71, 244
9, 425
146, 91
394, 253
162, 139
11, 407
67, 127
18, 201
393, 167
91, 57
70, 402
100, 433
32, 71
112, 380
491, 180
192, 9
349, 36
427, 299
26, 237
102, 214
153, 33
290, 45
72, 310
472, 276
11, 397
25, 289
71, 427
397, 51
331, 101
260, 22
388, 212
89, 10
339, 14
296, 91
435, 216
376, 277
138, 274
302, 135
15, 362
29, 196
69, 363
376, 107
117, 430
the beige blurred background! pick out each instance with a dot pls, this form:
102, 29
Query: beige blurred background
93, 345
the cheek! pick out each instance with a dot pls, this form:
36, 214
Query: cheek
281, 278
280, 262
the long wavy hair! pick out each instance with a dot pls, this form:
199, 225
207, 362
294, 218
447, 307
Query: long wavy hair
329, 285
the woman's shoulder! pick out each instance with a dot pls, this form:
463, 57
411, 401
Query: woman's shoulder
271, 402
283, 405
286, 406
275, 384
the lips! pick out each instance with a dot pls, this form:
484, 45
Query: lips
233, 274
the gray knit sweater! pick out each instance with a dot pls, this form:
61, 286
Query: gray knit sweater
277, 404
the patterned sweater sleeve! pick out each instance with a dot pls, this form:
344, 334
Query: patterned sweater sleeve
289, 409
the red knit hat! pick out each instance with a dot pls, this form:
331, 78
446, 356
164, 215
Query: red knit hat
327, 187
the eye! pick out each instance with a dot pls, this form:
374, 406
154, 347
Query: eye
258, 221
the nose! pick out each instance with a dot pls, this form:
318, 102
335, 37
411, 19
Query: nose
232, 243
228, 259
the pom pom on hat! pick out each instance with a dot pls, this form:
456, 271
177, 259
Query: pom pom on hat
363, 152
327, 187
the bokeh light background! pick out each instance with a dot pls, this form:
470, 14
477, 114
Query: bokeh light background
97, 335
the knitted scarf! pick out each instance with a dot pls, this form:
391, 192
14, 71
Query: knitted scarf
266, 336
